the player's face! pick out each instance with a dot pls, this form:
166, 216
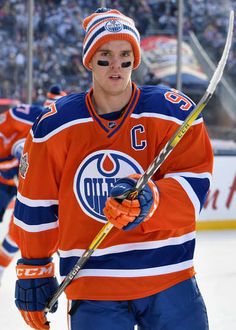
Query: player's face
112, 66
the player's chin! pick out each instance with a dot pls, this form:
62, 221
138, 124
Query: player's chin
119, 83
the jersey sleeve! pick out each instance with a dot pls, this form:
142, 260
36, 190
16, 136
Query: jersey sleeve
14, 127
22, 118
183, 180
36, 209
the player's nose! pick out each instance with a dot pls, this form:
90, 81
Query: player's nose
115, 62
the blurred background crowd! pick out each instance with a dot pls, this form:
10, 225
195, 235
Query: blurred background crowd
58, 35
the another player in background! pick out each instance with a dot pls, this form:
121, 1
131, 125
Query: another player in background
143, 272
55, 92
15, 125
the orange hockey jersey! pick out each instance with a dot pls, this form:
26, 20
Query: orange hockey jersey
70, 162
14, 127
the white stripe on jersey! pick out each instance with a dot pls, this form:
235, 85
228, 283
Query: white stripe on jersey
154, 271
36, 228
36, 202
203, 175
10, 241
187, 187
164, 117
59, 129
191, 194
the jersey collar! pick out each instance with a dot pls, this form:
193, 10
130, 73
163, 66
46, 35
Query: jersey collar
104, 123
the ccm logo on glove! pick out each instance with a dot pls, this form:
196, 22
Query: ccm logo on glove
35, 286
28, 271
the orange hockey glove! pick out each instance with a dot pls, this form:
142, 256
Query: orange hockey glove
36, 284
127, 214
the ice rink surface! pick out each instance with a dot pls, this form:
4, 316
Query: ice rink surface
215, 264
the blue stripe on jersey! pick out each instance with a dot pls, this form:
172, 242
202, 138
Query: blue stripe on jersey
200, 187
69, 108
152, 100
137, 259
34, 215
8, 247
101, 124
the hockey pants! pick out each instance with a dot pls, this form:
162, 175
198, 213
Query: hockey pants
180, 307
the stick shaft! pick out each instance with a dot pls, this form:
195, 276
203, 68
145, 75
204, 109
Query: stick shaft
80, 263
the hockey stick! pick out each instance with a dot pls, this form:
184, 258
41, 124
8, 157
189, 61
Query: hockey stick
171, 144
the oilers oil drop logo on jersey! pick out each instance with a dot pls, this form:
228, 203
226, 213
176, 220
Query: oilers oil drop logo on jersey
96, 176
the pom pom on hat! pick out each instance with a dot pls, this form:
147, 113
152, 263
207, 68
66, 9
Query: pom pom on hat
105, 25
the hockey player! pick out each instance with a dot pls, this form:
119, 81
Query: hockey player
15, 123
143, 272
14, 126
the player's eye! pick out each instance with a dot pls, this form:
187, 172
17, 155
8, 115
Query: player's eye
125, 53
104, 53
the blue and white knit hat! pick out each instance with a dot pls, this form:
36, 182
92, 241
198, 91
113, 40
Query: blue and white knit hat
105, 25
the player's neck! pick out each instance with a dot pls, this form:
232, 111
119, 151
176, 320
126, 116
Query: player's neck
107, 103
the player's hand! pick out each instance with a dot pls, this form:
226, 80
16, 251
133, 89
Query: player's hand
127, 214
36, 284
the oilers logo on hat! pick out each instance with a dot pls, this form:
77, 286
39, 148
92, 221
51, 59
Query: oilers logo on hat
96, 176
114, 26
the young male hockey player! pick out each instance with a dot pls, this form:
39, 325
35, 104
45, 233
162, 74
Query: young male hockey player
142, 273
15, 123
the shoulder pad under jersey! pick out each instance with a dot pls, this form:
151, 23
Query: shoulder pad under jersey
26, 113
65, 112
163, 100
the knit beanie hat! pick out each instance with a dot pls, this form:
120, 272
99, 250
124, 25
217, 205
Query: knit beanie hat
105, 25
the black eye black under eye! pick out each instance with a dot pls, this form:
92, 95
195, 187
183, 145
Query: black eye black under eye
106, 63
125, 64
103, 63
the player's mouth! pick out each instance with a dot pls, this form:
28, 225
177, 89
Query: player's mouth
115, 77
